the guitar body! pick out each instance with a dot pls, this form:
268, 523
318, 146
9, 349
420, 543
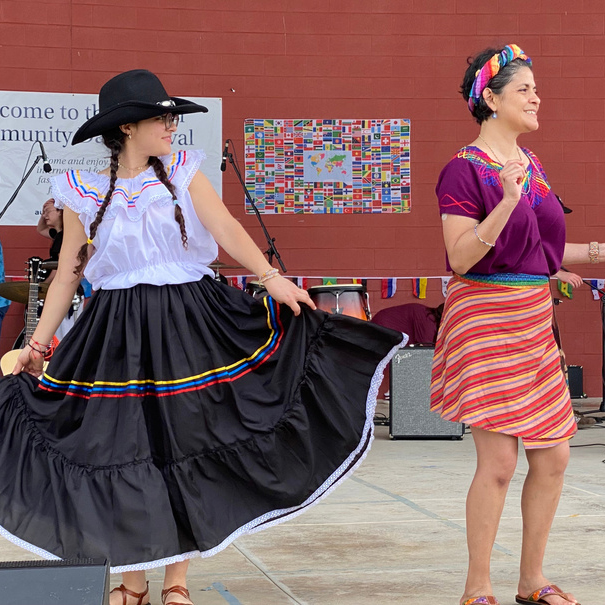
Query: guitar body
8, 361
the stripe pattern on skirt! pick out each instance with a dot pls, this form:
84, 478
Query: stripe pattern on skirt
496, 363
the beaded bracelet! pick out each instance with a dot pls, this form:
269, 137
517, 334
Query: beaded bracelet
268, 275
593, 252
482, 240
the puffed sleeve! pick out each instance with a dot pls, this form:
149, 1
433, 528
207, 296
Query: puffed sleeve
182, 166
69, 189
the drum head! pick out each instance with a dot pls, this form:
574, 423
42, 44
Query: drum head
340, 288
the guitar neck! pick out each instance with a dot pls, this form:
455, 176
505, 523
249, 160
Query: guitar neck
32, 312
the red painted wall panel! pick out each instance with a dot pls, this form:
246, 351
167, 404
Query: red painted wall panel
334, 59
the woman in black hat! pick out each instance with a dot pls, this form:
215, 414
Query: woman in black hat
178, 413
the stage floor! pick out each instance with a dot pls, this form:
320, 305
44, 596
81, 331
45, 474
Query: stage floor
394, 533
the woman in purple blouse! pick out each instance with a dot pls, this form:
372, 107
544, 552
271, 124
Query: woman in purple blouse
496, 366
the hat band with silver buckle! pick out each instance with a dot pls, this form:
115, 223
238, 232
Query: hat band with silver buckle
169, 103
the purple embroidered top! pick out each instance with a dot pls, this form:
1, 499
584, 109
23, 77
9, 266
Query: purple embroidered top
533, 240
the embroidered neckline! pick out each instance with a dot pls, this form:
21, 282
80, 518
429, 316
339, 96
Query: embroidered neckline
535, 186
88, 189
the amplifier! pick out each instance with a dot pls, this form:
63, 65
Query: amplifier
575, 375
410, 383
67, 582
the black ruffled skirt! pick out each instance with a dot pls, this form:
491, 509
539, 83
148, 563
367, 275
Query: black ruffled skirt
175, 419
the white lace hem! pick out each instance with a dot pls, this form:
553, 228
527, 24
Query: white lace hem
275, 517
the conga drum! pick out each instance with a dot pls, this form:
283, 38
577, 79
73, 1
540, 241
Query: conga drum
255, 289
346, 299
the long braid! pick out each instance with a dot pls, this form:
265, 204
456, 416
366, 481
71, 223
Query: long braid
114, 141
160, 172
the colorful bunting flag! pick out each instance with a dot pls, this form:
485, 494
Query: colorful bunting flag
389, 287
597, 283
239, 282
301, 282
444, 282
329, 281
565, 289
419, 287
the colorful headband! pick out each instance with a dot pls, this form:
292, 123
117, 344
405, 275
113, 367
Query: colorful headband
490, 69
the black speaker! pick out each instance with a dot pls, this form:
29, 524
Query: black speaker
68, 582
575, 375
409, 392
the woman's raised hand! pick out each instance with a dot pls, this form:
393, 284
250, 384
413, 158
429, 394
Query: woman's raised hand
511, 177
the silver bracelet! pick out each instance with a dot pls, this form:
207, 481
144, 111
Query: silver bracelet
482, 240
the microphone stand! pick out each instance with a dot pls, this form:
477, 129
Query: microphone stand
12, 199
602, 293
272, 250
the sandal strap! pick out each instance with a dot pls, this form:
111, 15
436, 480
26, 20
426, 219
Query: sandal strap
549, 589
180, 590
483, 600
130, 593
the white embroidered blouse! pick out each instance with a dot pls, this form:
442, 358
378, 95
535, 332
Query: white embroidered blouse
138, 240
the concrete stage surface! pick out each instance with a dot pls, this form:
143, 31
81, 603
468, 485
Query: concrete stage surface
394, 533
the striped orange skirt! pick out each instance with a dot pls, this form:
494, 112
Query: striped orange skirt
496, 363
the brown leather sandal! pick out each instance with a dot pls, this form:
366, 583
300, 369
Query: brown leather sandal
181, 590
130, 593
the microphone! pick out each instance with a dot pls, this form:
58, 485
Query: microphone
225, 153
45, 162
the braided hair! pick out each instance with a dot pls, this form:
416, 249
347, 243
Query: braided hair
114, 141
160, 172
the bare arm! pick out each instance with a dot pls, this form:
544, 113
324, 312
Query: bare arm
42, 228
60, 292
234, 239
464, 248
577, 254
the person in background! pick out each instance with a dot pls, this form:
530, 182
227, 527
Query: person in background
50, 225
4, 302
418, 321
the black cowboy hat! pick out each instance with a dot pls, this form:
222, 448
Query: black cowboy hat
129, 97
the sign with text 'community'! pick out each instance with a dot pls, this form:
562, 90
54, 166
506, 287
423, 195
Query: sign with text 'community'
52, 119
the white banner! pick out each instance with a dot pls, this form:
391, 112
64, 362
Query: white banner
53, 118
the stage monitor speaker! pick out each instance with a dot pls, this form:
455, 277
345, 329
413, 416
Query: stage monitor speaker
575, 376
68, 582
409, 393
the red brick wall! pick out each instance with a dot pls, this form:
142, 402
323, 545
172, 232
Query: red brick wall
334, 59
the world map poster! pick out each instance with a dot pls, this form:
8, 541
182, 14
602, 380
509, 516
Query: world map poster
328, 166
